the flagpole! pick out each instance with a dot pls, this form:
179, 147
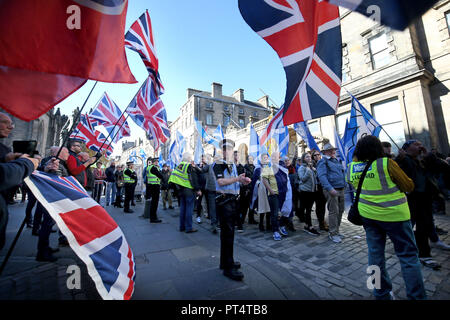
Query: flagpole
121, 118
115, 134
75, 122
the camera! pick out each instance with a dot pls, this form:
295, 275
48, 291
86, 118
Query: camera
25, 147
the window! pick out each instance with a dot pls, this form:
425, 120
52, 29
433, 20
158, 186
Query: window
314, 128
209, 105
447, 17
340, 123
388, 114
209, 119
242, 122
226, 120
379, 51
226, 108
255, 114
241, 111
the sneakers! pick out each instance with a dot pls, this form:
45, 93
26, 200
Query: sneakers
283, 231
240, 229
335, 239
276, 236
439, 245
311, 231
429, 262
199, 220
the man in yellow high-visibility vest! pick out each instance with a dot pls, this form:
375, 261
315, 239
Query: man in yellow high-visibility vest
129, 179
152, 187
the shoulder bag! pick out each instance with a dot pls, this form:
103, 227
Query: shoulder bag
353, 214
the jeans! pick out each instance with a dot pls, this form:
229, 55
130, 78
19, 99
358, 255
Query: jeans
110, 192
402, 237
186, 210
97, 194
166, 196
306, 203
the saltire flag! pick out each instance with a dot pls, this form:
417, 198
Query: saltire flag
302, 129
133, 156
306, 36
174, 157
108, 114
91, 232
149, 113
88, 44
274, 124
361, 124
161, 160
340, 145
139, 38
254, 143
397, 14
282, 135
198, 151
217, 137
181, 144
142, 154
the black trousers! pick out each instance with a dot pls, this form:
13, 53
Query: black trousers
320, 201
152, 192
129, 195
420, 207
118, 195
227, 216
306, 203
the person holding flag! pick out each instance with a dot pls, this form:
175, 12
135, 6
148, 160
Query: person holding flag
75, 166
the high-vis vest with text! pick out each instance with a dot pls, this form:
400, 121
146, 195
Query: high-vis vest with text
151, 178
380, 198
127, 178
180, 176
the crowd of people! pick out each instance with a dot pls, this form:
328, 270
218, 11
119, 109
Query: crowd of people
397, 194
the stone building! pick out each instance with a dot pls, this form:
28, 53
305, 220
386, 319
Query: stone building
213, 108
46, 130
401, 77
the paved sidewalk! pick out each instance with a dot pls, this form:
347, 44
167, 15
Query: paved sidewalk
175, 265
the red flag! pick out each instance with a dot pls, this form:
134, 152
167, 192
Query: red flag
43, 60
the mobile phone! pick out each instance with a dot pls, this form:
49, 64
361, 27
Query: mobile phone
25, 147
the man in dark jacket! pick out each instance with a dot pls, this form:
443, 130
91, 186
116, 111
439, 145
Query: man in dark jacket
12, 174
165, 190
110, 183
130, 181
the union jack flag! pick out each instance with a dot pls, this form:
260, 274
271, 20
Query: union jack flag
92, 234
108, 114
149, 113
275, 124
85, 132
306, 36
139, 38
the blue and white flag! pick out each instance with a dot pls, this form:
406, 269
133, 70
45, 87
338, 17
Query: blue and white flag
161, 160
282, 136
133, 156
181, 144
340, 145
91, 232
302, 129
217, 137
361, 124
198, 151
142, 154
254, 143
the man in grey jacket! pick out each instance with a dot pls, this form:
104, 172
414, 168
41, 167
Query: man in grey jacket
210, 188
331, 175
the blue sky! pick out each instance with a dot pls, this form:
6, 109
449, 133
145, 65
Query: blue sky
198, 42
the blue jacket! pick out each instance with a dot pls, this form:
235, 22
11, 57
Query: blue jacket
331, 173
